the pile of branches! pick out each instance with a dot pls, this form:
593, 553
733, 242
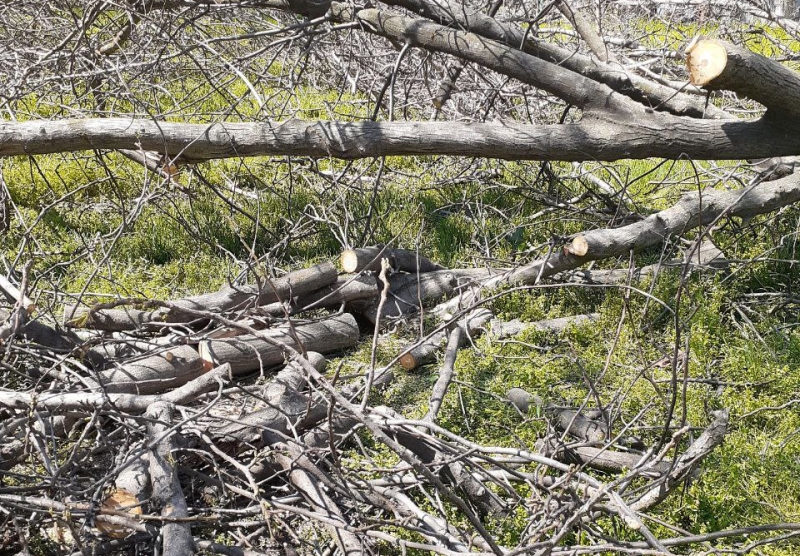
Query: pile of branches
169, 423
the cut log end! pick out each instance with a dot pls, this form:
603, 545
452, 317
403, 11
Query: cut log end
408, 362
349, 261
705, 60
579, 246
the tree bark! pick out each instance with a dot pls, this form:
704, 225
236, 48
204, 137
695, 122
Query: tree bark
288, 408
646, 136
687, 463
405, 293
34, 331
369, 258
229, 298
249, 353
500, 329
425, 352
156, 373
347, 288
648, 93
693, 210
57, 402
176, 536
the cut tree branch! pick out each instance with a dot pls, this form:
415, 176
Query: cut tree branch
646, 136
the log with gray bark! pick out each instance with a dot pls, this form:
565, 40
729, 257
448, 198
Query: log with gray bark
227, 299
425, 352
501, 329
57, 401
20, 325
288, 407
347, 288
167, 492
693, 210
14, 295
721, 65
604, 459
637, 138
163, 371
647, 92
249, 353
617, 126
688, 462
409, 292
369, 259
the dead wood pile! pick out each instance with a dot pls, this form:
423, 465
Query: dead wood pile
217, 412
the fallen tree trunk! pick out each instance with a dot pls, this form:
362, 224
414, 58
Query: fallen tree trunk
346, 289
692, 211
500, 329
249, 353
288, 408
167, 493
229, 298
408, 293
721, 65
56, 402
712, 437
609, 461
23, 328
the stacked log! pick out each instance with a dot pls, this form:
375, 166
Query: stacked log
255, 328
251, 328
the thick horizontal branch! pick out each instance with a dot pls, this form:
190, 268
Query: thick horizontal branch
129, 403
229, 298
655, 135
273, 346
369, 258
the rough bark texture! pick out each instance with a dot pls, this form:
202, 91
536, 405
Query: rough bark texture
229, 298
34, 331
425, 352
347, 288
691, 211
405, 293
152, 374
647, 136
176, 536
369, 258
288, 407
105, 401
654, 95
249, 353
505, 329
